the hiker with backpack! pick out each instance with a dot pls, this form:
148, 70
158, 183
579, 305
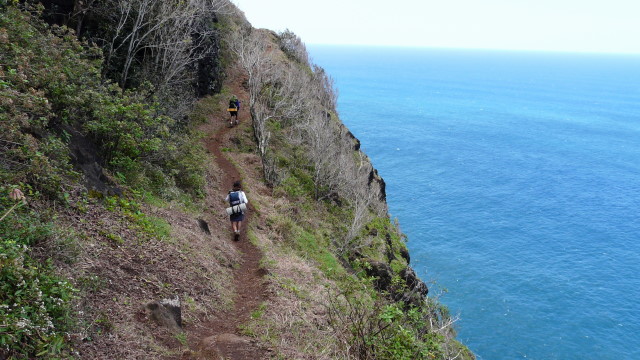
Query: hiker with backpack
236, 199
234, 108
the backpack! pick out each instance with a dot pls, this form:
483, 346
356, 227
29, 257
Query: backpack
234, 198
232, 104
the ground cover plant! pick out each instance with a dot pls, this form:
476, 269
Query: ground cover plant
336, 265
35, 303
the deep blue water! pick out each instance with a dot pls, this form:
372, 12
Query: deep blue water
516, 176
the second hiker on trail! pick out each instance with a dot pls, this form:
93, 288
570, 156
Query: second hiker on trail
234, 108
236, 199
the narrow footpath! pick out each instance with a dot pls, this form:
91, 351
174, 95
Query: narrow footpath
221, 338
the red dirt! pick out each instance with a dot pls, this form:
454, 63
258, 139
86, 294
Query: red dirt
220, 338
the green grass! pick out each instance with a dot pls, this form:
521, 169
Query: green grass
149, 226
259, 312
35, 303
316, 249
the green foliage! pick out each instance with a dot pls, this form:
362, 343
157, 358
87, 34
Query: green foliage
125, 128
377, 328
205, 107
297, 185
309, 244
397, 265
182, 338
41, 69
49, 81
143, 147
259, 312
34, 302
8, 3
387, 242
317, 249
149, 226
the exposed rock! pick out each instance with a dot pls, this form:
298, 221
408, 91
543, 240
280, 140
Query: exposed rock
389, 248
417, 290
374, 177
356, 145
413, 282
210, 348
166, 313
84, 157
382, 272
204, 226
404, 252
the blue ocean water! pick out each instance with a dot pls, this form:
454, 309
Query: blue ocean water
516, 176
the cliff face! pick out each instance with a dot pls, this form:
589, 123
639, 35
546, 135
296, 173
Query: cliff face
80, 124
312, 159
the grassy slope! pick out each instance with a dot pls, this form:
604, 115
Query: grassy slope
120, 253
324, 304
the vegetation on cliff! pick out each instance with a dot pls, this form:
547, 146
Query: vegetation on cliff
109, 108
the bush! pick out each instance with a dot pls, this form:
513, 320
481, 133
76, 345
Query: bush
292, 45
49, 82
373, 327
34, 302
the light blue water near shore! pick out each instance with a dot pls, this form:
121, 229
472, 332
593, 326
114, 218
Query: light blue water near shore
516, 177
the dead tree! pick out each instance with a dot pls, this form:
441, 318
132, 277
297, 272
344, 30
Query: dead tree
167, 36
292, 45
277, 90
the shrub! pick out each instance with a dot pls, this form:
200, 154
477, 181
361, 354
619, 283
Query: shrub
49, 82
34, 302
373, 327
292, 45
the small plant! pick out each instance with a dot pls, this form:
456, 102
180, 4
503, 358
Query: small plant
17, 196
376, 327
182, 338
149, 226
259, 312
34, 302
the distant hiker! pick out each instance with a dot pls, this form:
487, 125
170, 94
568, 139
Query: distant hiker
234, 108
236, 198
237, 101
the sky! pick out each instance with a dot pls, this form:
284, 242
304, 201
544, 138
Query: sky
608, 26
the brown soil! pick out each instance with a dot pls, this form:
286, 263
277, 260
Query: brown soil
220, 337
119, 267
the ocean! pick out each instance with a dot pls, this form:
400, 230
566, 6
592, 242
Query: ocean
516, 176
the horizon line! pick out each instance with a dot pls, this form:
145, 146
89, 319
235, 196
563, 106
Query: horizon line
582, 52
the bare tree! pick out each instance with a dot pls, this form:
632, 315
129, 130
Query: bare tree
289, 93
277, 90
80, 9
252, 50
292, 45
168, 36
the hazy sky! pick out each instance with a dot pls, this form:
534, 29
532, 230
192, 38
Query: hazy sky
556, 25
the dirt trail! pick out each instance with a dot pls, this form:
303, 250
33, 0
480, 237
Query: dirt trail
220, 338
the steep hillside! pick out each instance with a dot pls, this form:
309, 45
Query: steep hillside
112, 180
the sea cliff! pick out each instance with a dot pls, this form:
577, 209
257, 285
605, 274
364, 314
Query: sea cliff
117, 153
